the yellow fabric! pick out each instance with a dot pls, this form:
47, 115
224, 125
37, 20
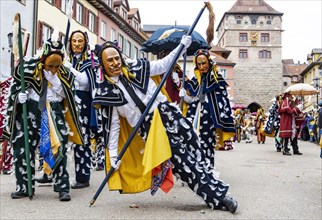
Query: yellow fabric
75, 137
222, 136
157, 147
129, 177
157, 80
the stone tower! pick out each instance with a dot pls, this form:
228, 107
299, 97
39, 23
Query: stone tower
252, 31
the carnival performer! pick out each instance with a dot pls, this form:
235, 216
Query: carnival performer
84, 66
260, 119
272, 123
248, 128
211, 113
299, 120
238, 122
6, 149
176, 139
52, 118
286, 133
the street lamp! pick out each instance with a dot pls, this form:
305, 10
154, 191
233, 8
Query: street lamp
317, 86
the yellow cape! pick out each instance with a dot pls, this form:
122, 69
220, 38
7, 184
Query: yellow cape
135, 172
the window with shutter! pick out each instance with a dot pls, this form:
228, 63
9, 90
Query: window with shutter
40, 24
74, 11
85, 17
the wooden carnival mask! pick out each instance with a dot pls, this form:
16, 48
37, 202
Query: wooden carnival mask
112, 61
78, 43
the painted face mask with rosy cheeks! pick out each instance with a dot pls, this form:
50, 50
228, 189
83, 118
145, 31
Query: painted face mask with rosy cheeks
202, 64
78, 43
112, 61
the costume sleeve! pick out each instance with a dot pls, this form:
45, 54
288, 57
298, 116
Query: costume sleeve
114, 134
158, 67
80, 77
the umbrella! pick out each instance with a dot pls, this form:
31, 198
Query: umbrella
168, 38
301, 89
238, 106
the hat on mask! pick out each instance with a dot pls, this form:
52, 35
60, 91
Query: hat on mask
100, 48
52, 46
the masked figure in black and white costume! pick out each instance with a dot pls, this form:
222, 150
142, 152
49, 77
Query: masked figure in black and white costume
188, 161
211, 112
52, 118
83, 65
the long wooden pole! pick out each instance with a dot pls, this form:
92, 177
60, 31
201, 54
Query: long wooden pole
24, 107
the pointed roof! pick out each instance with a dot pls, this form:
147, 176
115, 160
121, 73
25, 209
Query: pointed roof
252, 7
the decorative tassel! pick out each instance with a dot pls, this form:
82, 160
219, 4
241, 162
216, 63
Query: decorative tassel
210, 30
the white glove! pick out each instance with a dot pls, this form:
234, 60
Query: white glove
67, 64
22, 97
53, 79
114, 164
175, 77
182, 92
186, 41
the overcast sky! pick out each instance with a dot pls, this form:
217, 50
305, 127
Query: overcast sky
301, 20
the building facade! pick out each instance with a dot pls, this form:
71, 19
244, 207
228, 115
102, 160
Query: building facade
8, 10
252, 30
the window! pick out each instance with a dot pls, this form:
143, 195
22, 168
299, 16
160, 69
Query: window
243, 53
265, 37
253, 21
113, 34
269, 22
135, 53
238, 19
109, 3
121, 39
285, 83
264, 54
79, 13
136, 25
91, 21
46, 33
128, 48
64, 5
243, 37
103, 30
223, 72
124, 14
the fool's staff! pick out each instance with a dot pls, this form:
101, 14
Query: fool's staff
17, 21
146, 111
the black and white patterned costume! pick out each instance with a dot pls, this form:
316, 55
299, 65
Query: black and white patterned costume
188, 159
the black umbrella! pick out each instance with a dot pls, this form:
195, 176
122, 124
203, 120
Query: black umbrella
168, 38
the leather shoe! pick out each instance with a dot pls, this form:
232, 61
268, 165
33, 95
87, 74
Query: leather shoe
64, 196
18, 195
278, 149
79, 185
286, 153
297, 153
44, 179
230, 203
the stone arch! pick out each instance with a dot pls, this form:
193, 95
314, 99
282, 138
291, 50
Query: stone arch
254, 106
